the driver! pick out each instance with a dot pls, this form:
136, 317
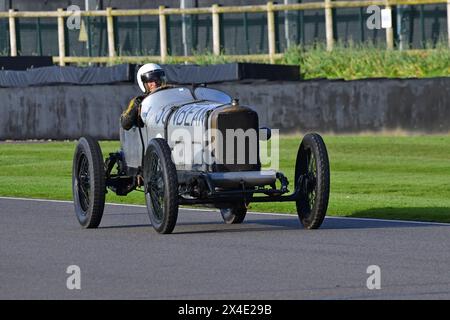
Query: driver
149, 77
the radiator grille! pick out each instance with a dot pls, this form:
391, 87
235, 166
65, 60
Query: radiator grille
234, 127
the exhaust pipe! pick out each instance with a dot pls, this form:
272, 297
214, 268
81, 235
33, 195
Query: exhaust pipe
248, 178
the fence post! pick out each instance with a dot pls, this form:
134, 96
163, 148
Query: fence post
187, 27
290, 25
389, 31
401, 38
162, 34
329, 25
61, 38
448, 22
110, 31
216, 29
12, 33
271, 31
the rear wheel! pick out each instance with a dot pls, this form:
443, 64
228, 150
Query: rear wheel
234, 215
161, 186
88, 182
312, 177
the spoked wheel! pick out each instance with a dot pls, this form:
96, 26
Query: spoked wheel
161, 186
312, 177
234, 215
88, 182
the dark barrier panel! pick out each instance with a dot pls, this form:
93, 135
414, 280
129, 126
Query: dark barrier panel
67, 75
188, 74
24, 62
68, 112
176, 74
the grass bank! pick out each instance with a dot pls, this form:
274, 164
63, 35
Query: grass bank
369, 61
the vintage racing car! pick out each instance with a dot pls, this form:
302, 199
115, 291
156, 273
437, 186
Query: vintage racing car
183, 155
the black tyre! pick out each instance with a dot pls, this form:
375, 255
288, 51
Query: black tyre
161, 186
234, 215
88, 182
312, 176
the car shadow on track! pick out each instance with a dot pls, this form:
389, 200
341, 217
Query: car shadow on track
253, 223
333, 222
126, 226
292, 224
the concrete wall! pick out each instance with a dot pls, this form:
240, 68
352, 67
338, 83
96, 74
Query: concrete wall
419, 105
63, 112
68, 112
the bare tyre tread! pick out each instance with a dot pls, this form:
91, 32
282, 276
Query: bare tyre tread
169, 173
314, 218
91, 216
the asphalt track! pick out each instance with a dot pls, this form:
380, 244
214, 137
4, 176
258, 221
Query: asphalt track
267, 257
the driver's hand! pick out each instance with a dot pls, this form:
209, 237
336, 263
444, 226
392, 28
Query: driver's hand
138, 99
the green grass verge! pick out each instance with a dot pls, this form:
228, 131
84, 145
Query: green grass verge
371, 176
369, 61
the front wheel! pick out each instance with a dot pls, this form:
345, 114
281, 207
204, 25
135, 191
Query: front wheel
161, 186
312, 178
88, 182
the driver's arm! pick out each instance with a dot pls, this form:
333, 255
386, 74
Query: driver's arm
130, 117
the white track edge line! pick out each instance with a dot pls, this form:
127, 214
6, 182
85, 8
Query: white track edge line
251, 212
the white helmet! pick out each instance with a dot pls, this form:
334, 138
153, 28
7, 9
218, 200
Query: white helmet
150, 72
